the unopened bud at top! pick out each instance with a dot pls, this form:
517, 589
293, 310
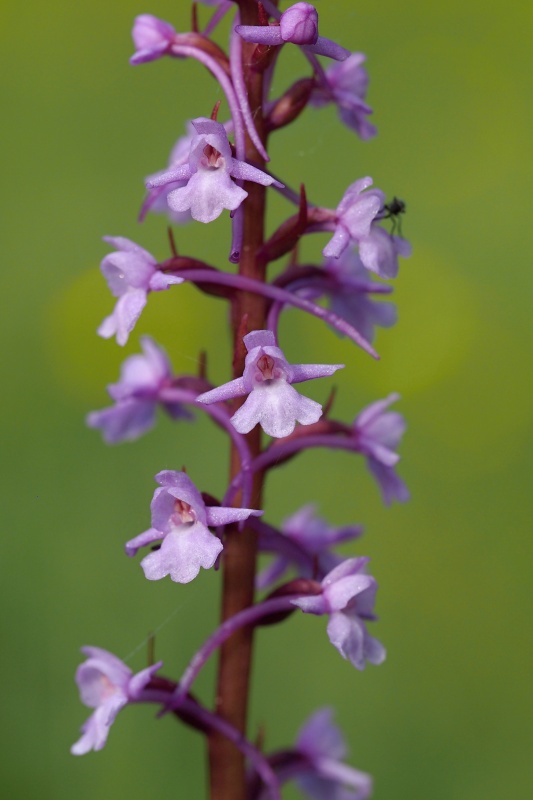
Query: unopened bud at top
299, 24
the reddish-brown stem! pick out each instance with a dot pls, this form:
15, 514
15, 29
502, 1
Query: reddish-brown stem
227, 769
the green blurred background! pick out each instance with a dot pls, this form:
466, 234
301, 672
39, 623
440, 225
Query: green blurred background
448, 716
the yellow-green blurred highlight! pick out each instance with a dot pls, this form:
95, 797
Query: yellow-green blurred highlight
448, 716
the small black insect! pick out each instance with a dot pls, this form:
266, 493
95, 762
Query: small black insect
393, 211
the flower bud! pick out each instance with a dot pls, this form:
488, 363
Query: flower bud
291, 104
299, 24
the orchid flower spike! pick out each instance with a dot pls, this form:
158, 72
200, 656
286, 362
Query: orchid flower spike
208, 187
272, 402
181, 520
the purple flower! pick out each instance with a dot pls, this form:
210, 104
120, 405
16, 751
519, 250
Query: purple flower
130, 273
272, 402
346, 86
355, 217
323, 776
349, 295
348, 596
378, 433
136, 395
107, 685
207, 177
180, 519
157, 199
355, 214
298, 25
152, 38
314, 537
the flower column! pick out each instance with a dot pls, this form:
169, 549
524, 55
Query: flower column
227, 776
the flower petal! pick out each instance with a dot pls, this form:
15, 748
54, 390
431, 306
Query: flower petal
125, 421
126, 313
207, 194
182, 553
142, 540
319, 737
276, 407
219, 515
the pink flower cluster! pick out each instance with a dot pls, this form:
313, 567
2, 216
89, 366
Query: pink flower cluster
217, 168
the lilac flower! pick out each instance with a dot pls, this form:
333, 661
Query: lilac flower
315, 763
378, 433
180, 519
348, 596
355, 214
349, 295
315, 538
130, 273
136, 395
209, 187
157, 199
267, 379
346, 85
298, 25
107, 685
323, 776
152, 38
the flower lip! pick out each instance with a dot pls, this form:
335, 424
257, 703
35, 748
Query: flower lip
272, 402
